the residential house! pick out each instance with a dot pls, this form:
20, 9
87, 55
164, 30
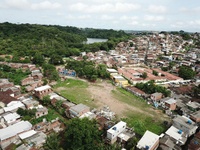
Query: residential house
30, 103
167, 143
195, 142
34, 138
193, 106
195, 116
36, 74
55, 97
5, 98
5, 84
67, 104
77, 110
101, 122
124, 136
185, 124
89, 115
136, 91
170, 104
149, 141
41, 111
45, 126
156, 96
119, 80
177, 135
42, 91
27, 81
66, 72
114, 131
9, 118
9, 134
112, 71
14, 106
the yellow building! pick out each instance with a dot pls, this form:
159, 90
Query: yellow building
119, 80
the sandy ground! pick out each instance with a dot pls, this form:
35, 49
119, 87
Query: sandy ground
101, 93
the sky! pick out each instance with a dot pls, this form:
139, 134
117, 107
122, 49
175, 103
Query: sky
154, 15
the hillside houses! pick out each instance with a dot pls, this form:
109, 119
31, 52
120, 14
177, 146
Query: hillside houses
146, 54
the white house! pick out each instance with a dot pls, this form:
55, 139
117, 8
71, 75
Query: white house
9, 134
149, 141
113, 132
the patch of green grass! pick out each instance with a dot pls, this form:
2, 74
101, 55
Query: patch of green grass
75, 91
141, 122
52, 114
69, 83
149, 120
127, 97
142, 117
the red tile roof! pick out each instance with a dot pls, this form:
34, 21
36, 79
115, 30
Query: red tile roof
6, 98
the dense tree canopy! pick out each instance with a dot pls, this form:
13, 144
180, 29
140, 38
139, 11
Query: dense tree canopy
52, 142
150, 88
186, 72
38, 59
88, 69
14, 75
82, 134
28, 39
50, 72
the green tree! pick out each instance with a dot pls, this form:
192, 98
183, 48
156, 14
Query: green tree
38, 59
52, 142
186, 72
196, 91
56, 59
2, 59
82, 134
102, 72
46, 100
50, 72
155, 73
144, 75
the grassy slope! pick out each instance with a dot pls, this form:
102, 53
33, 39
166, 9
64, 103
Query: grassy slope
146, 119
149, 120
75, 91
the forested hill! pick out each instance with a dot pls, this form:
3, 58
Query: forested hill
28, 39
24, 39
104, 33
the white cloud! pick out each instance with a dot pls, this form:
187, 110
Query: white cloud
190, 10
128, 18
195, 23
78, 7
157, 9
104, 8
153, 18
178, 24
134, 23
18, 4
84, 17
25, 4
107, 17
79, 17
146, 25
45, 5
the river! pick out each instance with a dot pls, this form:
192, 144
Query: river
95, 40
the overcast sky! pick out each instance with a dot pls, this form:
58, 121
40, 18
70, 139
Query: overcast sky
159, 15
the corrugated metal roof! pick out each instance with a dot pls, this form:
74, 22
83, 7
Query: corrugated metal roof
14, 129
27, 134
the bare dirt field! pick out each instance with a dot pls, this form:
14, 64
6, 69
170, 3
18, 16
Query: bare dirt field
103, 96
136, 112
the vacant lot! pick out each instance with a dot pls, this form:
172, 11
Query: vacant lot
128, 107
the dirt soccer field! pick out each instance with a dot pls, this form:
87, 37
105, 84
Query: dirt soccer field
102, 93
